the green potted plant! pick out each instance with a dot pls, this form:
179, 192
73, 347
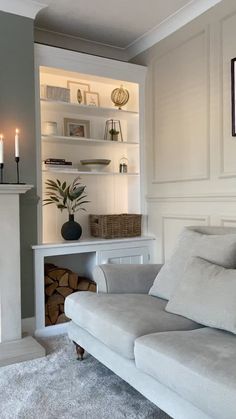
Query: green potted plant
69, 197
114, 134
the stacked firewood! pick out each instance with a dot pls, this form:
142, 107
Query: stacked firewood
59, 283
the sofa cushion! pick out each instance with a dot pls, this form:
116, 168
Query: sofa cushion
219, 249
206, 294
199, 365
118, 319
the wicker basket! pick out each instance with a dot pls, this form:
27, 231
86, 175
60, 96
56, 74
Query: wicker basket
115, 225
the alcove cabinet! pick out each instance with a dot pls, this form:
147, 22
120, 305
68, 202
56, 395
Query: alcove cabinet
72, 127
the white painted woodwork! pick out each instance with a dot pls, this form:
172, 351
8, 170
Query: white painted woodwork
82, 256
132, 255
181, 112
191, 155
12, 347
108, 191
10, 297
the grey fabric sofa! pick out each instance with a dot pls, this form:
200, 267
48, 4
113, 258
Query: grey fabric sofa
187, 370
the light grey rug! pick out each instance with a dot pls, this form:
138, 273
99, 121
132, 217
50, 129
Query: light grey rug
60, 387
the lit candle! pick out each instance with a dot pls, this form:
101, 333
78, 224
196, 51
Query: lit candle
17, 143
1, 149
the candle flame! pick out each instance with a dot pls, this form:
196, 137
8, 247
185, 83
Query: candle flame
17, 131
1, 136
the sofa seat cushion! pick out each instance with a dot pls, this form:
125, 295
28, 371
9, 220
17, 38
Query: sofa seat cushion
118, 319
199, 365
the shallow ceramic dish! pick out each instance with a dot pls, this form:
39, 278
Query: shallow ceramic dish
95, 165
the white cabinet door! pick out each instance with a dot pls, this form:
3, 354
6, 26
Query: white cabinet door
129, 255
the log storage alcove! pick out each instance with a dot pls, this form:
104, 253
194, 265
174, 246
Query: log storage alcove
59, 283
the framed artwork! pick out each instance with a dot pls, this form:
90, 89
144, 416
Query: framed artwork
76, 128
233, 95
77, 91
92, 98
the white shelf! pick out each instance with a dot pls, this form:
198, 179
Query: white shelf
80, 172
85, 109
82, 140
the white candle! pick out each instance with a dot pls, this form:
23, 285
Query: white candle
17, 143
1, 149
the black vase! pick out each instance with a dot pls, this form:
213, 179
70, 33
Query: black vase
71, 230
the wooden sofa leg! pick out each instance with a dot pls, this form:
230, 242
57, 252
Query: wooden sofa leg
80, 351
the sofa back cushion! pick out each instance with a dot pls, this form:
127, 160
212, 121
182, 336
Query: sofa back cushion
207, 295
217, 248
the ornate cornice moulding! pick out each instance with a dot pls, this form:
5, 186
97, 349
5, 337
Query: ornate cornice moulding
26, 8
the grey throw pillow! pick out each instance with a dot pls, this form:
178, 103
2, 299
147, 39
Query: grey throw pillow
219, 249
207, 295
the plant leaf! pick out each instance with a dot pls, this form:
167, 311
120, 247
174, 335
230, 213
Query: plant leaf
48, 203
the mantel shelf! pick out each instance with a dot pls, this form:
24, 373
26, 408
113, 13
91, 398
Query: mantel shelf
86, 109
83, 140
80, 172
9, 188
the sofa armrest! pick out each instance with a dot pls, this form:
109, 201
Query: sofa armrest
120, 279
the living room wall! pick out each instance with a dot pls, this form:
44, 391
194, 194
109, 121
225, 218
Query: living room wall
17, 110
191, 154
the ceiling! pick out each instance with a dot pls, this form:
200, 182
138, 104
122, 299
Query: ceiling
128, 25
118, 23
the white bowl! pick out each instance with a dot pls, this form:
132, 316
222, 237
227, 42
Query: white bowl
95, 165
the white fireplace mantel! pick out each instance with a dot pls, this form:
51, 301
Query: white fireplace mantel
12, 347
14, 189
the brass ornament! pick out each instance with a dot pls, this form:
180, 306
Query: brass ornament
120, 96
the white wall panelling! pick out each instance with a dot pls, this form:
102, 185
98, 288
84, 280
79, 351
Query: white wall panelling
181, 112
227, 51
171, 227
191, 155
228, 221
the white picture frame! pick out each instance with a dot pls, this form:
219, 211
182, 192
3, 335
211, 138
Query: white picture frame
92, 99
76, 128
77, 90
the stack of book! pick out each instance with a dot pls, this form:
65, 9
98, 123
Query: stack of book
58, 164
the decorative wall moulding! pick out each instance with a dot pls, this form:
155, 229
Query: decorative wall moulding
227, 221
217, 197
26, 8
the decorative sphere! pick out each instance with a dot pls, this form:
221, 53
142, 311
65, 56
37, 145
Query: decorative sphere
120, 96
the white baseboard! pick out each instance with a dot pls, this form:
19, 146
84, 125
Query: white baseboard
28, 326
57, 329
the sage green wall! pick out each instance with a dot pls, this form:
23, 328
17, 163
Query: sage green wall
17, 109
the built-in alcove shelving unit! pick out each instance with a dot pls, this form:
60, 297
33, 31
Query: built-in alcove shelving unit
109, 191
